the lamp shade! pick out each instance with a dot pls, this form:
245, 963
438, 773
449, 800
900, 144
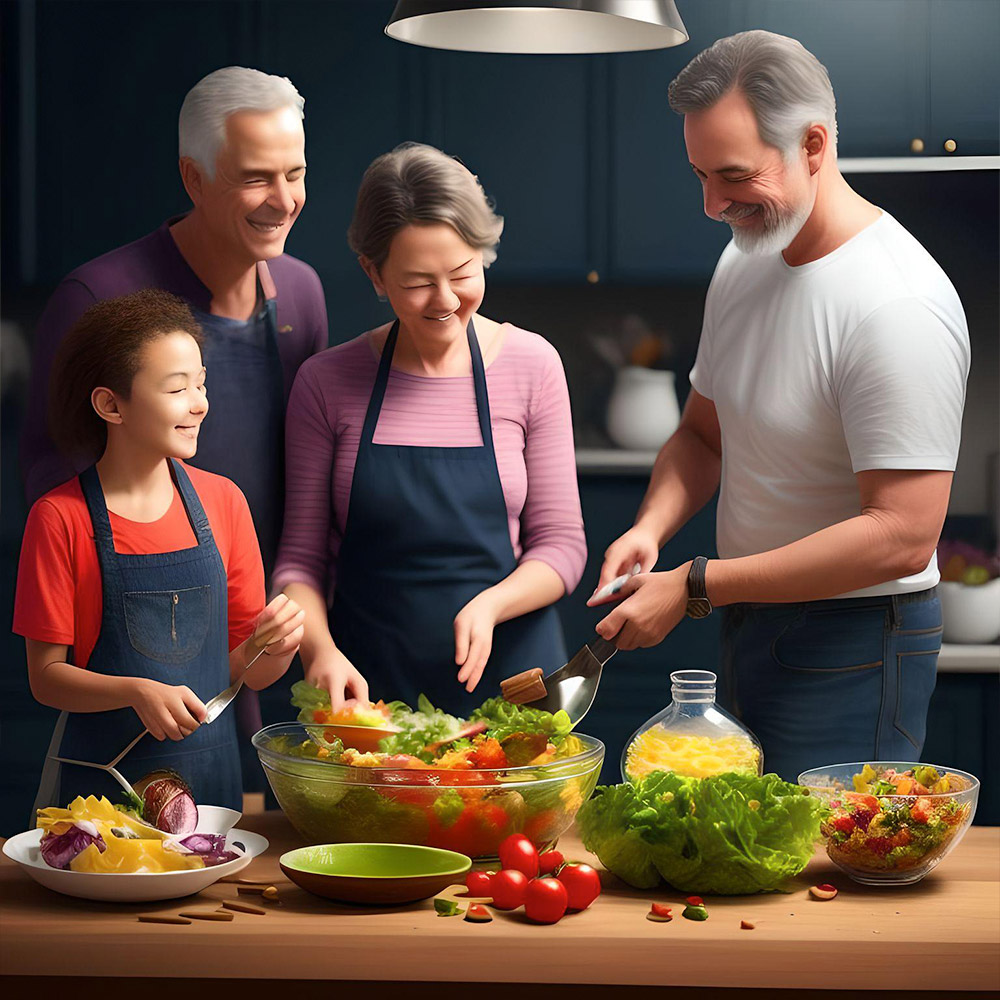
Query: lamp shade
552, 28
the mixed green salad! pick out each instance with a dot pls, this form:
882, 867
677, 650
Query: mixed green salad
895, 820
497, 734
435, 779
730, 833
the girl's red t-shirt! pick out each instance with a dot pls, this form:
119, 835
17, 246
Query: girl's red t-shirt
59, 594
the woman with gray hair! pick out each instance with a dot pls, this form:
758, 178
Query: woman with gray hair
432, 513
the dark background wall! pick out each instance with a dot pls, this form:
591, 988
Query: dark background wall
584, 160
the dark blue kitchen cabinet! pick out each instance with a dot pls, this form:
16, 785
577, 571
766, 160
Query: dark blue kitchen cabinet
964, 77
657, 223
876, 55
525, 126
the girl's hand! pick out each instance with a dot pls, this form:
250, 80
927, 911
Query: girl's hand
334, 672
280, 627
474, 626
165, 710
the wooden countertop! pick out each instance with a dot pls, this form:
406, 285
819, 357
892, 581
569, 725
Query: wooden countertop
941, 934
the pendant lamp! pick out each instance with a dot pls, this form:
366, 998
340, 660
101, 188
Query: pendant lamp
552, 28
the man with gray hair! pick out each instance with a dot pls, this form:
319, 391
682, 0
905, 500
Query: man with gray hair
242, 162
827, 400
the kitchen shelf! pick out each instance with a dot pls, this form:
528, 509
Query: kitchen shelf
614, 460
960, 659
915, 164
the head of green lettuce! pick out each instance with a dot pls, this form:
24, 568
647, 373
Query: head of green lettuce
725, 835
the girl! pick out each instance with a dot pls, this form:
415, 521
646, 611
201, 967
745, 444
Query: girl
140, 589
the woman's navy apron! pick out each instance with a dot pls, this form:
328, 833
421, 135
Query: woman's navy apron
426, 532
164, 617
245, 438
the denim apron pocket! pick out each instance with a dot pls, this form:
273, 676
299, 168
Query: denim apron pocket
168, 625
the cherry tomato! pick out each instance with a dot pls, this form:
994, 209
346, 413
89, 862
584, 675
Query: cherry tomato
478, 883
508, 888
582, 883
549, 862
546, 900
518, 853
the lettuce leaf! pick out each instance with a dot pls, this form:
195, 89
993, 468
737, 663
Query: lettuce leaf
728, 834
505, 719
308, 699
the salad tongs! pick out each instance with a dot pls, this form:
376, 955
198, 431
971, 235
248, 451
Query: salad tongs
571, 689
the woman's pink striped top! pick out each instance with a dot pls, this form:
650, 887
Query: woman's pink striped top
532, 436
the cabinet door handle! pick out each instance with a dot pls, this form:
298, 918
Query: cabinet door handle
950, 145
916, 145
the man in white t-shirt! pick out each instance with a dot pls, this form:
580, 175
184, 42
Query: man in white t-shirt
827, 401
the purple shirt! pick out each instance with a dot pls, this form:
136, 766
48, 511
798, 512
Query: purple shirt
154, 262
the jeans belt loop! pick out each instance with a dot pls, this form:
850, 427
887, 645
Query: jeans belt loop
895, 615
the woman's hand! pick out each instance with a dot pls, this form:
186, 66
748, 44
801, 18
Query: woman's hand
637, 545
474, 626
280, 628
332, 671
167, 711
650, 607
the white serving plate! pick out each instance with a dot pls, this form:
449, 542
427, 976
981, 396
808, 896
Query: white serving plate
115, 887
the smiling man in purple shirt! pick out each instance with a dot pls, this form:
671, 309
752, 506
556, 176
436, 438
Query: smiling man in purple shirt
242, 161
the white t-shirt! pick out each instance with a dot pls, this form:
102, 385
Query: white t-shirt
854, 361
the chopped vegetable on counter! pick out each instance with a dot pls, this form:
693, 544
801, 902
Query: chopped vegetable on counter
823, 892
478, 914
695, 912
660, 913
447, 907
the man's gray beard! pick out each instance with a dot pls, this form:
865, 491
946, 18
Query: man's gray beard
775, 235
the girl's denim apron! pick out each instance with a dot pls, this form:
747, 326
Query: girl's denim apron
164, 618
426, 532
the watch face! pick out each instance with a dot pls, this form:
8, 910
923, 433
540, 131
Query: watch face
698, 607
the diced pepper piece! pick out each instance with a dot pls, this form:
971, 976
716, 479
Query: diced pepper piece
478, 914
447, 907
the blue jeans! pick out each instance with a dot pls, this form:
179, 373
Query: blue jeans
829, 682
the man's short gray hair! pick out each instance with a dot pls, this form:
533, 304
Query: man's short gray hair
420, 184
202, 125
786, 86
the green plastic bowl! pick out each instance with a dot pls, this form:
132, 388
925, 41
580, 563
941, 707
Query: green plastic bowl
374, 873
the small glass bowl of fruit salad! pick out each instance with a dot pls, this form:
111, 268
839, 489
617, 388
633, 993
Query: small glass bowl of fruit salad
891, 822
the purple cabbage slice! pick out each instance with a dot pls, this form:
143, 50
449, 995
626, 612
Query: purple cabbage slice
59, 849
211, 847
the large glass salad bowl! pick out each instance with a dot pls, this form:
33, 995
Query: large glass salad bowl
468, 810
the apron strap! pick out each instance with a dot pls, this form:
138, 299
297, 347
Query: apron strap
382, 380
378, 390
482, 397
192, 504
90, 483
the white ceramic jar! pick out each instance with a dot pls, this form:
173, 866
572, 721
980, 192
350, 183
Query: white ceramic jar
643, 410
971, 614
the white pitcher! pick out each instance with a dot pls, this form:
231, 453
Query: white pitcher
643, 410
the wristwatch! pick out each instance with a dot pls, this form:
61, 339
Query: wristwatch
698, 605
